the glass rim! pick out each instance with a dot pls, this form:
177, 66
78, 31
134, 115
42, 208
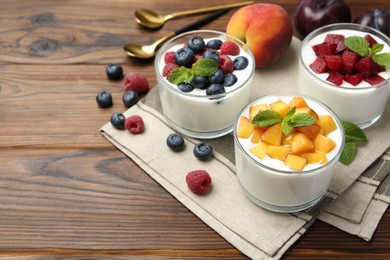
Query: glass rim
163, 48
291, 172
341, 26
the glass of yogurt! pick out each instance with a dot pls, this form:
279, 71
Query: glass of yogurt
195, 113
270, 182
362, 104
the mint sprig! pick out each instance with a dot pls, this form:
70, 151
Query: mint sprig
361, 46
353, 134
269, 118
203, 67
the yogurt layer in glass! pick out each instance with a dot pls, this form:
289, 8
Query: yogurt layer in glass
363, 104
194, 113
269, 183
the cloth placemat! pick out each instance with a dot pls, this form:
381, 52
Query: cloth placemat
258, 233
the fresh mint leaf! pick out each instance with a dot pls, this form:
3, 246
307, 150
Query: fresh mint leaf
293, 119
377, 48
204, 67
267, 118
301, 119
358, 44
348, 153
382, 59
353, 133
181, 75
291, 112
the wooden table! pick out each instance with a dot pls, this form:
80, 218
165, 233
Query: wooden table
65, 191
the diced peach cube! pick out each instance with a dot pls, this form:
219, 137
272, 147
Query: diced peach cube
311, 131
260, 150
307, 110
301, 144
245, 127
287, 138
278, 151
273, 135
314, 157
258, 133
255, 109
298, 102
295, 162
281, 107
327, 124
324, 144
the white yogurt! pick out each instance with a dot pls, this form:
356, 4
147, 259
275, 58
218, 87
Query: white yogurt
362, 104
194, 113
271, 184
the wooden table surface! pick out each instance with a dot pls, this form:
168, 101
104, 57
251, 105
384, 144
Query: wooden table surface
65, 191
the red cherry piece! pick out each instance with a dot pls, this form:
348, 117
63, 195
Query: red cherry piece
374, 80
348, 60
335, 78
370, 40
319, 65
323, 49
353, 79
366, 66
333, 62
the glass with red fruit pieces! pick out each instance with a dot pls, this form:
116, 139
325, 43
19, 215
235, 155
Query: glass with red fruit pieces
204, 79
343, 65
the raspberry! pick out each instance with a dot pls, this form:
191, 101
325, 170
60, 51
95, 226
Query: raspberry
198, 181
230, 48
136, 82
135, 124
226, 64
168, 69
169, 57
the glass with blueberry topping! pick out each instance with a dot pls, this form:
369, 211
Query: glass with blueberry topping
204, 80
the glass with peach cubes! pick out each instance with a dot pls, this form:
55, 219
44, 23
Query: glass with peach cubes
287, 171
355, 87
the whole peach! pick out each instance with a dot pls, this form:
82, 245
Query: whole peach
265, 28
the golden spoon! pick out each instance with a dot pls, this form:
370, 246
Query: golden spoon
148, 51
152, 20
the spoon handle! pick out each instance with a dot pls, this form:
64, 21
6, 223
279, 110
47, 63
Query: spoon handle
201, 22
205, 10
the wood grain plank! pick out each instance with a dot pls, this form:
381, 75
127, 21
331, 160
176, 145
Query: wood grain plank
91, 199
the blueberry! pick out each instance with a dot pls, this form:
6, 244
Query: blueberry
185, 87
130, 98
104, 99
196, 43
217, 77
215, 89
175, 142
211, 54
199, 82
114, 71
229, 80
184, 57
240, 63
214, 44
118, 120
203, 151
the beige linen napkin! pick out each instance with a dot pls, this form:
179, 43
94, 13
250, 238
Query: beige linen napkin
258, 233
